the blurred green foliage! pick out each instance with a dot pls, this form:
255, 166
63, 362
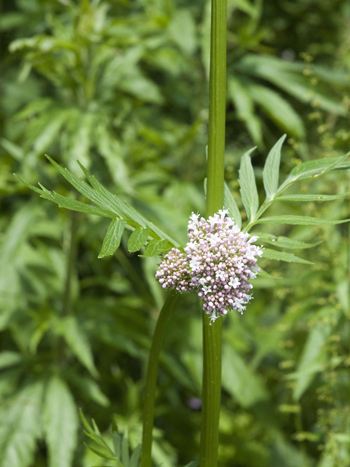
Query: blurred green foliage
122, 88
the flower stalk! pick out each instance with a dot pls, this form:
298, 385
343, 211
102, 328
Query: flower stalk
151, 377
212, 346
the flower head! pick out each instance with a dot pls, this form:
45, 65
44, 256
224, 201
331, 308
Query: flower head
218, 262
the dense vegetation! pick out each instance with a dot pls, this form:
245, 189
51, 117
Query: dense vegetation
122, 88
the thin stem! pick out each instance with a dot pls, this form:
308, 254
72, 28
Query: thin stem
151, 378
70, 263
211, 393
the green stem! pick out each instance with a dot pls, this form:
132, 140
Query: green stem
211, 393
70, 263
151, 378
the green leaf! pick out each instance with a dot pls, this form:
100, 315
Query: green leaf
249, 192
77, 342
156, 247
112, 238
307, 198
272, 169
99, 195
245, 108
70, 203
9, 358
278, 109
285, 242
314, 168
283, 256
299, 220
312, 359
135, 457
240, 380
137, 239
60, 423
20, 426
231, 205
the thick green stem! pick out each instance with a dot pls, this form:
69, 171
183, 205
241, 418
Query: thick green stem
211, 393
151, 378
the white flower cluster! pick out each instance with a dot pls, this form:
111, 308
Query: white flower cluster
218, 262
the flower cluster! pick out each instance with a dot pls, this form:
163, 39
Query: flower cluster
218, 262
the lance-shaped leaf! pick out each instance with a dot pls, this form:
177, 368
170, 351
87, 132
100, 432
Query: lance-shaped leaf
315, 168
60, 423
272, 169
285, 242
249, 192
112, 238
299, 220
231, 205
310, 198
104, 202
283, 256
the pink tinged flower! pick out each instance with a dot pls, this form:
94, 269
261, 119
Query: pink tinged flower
217, 262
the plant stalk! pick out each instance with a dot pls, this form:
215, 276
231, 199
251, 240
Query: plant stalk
151, 378
211, 392
70, 263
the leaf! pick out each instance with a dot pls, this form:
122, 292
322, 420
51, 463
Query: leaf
156, 247
231, 205
137, 239
245, 108
283, 256
77, 342
249, 192
272, 168
310, 198
278, 109
182, 31
112, 238
20, 426
314, 168
285, 242
9, 358
239, 380
299, 220
60, 423
99, 195
312, 359
135, 457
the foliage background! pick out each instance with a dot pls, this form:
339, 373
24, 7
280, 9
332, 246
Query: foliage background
122, 87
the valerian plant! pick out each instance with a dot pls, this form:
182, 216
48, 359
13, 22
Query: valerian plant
220, 257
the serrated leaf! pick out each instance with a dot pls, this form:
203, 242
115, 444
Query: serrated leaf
60, 423
156, 247
137, 239
283, 256
104, 199
112, 238
310, 198
272, 168
249, 192
231, 205
299, 220
19, 427
77, 342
